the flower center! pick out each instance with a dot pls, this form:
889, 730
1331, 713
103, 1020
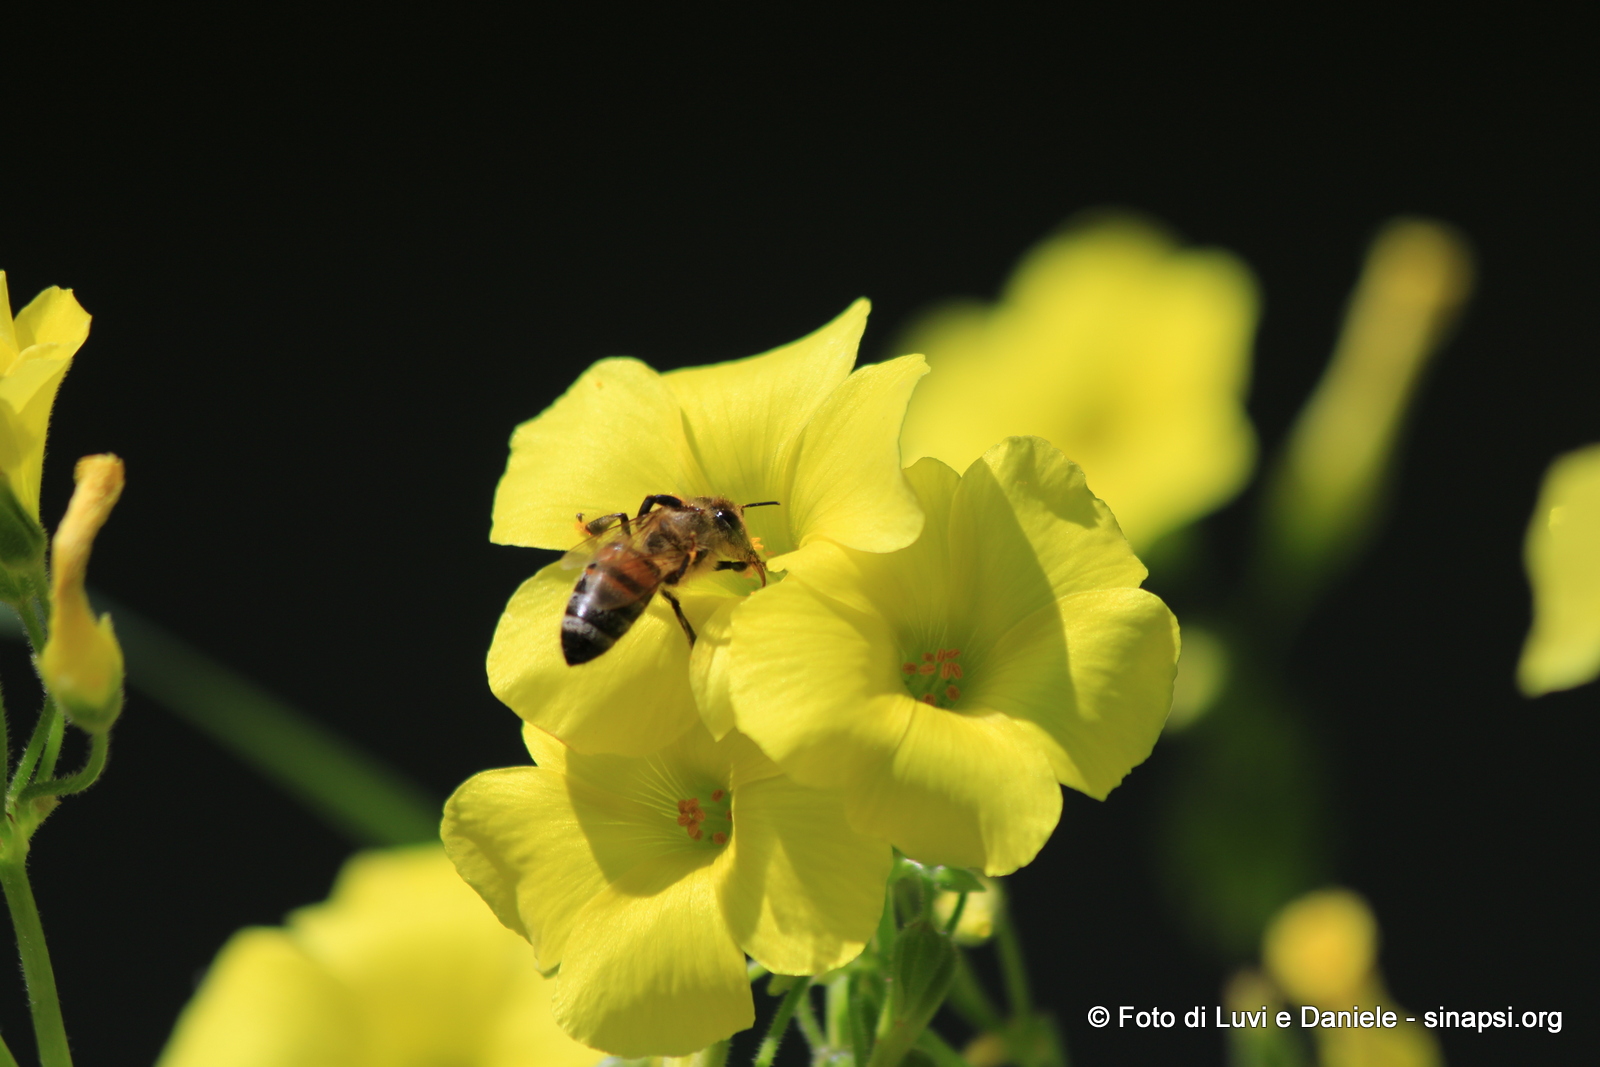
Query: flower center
709, 820
931, 677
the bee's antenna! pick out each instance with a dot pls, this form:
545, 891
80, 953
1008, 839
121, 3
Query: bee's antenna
762, 504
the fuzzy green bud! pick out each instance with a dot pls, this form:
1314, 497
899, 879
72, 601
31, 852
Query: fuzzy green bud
922, 966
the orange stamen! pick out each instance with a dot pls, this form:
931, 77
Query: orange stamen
926, 668
720, 838
953, 693
717, 794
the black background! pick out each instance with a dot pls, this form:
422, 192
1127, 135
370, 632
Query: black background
333, 263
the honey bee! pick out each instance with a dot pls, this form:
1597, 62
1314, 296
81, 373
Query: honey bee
629, 559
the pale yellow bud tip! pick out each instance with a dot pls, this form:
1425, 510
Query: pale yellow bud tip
82, 662
1322, 948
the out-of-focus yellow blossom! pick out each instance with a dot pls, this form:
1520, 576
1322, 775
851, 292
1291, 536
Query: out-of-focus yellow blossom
1322, 948
793, 425
1562, 554
948, 687
82, 662
1322, 951
402, 967
1325, 495
978, 917
1122, 349
35, 351
648, 879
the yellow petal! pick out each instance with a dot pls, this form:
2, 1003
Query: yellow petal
1027, 529
1127, 352
1093, 673
846, 483
743, 418
266, 1003
709, 670
1562, 553
633, 699
54, 317
651, 968
611, 440
963, 790
515, 838
26, 396
814, 683
802, 890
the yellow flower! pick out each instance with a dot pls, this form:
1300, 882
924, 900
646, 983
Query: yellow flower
949, 687
1562, 553
1128, 353
793, 425
402, 967
647, 880
1322, 950
35, 351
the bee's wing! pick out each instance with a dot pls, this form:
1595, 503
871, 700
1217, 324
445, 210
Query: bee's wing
580, 555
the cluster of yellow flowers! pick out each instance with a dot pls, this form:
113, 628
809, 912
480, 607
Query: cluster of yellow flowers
934, 654
925, 654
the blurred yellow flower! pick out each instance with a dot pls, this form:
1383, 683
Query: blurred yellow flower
402, 967
1322, 951
1125, 351
1326, 493
793, 425
1562, 553
947, 688
647, 880
35, 351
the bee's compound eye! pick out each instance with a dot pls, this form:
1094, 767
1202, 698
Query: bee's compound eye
726, 518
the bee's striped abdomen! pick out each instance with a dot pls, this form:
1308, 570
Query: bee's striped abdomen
611, 595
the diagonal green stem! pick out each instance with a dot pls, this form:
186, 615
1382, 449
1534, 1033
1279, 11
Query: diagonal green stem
36, 746
1013, 967
806, 1015
355, 793
6, 1058
780, 1022
43, 999
99, 746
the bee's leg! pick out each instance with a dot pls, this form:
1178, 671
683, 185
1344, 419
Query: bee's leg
605, 522
677, 609
740, 565
666, 500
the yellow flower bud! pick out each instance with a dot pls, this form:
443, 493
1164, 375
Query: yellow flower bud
82, 662
978, 917
1323, 947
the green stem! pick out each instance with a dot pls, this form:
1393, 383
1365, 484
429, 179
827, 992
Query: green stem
1013, 967
30, 755
52, 746
355, 793
99, 746
955, 914
780, 1022
6, 1058
48, 1029
940, 1051
970, 1001
886, 926
5, 770
806, 1015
